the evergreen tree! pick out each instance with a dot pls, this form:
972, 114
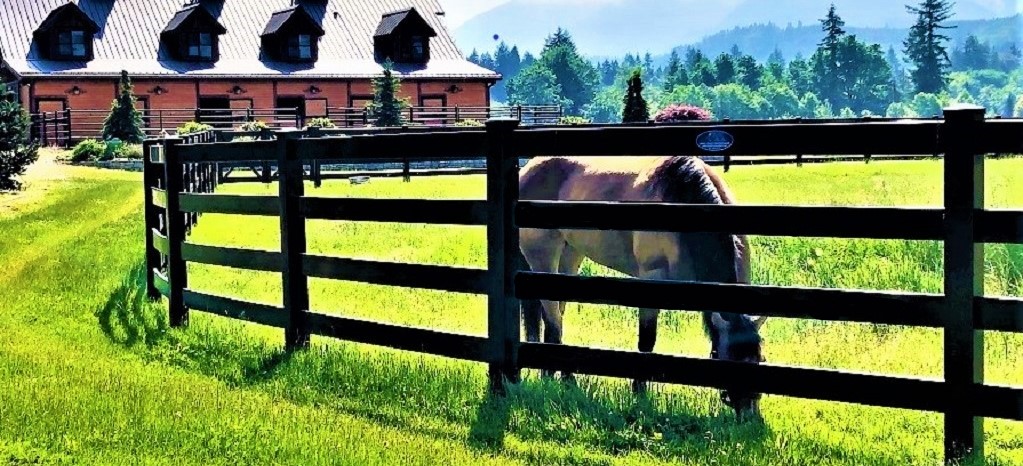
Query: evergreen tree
924, 45
487, 61
724, 66
386, 106
734, 52
576, 76
648, 64
748, 72
527, 60
826, 60
775, 68
636, 109
673, 71
976, 55
799, 76
124, 121
508, 63
16, 152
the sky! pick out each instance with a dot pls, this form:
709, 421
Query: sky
460, 11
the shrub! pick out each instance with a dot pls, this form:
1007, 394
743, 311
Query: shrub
252, 126
129, 151
193, 127
469, 122
16, 152
573, 120
321, 122
678, 112
88, 150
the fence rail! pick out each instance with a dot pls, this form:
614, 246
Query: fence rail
68, 126
178, 190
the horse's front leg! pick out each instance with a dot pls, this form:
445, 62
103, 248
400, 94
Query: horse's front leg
647, 328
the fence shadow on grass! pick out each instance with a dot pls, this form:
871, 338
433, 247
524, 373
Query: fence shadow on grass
123, 318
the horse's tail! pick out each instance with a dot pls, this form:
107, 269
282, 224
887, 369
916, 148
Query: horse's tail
532, 309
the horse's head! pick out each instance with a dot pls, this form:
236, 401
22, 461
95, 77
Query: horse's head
736, 338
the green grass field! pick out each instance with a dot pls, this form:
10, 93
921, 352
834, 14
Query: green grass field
90, 373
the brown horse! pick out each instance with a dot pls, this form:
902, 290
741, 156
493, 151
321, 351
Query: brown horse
707, 257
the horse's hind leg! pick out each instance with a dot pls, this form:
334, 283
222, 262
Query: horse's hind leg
532, 309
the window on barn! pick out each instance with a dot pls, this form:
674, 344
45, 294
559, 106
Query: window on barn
300, 47
418, 49
72, 44
200, 46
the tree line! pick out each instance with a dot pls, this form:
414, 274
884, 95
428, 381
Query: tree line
844, 77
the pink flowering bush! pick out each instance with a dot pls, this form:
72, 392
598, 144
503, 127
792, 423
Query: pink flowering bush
679, 112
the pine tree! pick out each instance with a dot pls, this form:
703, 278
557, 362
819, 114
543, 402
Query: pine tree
636, 109
387, 107
673, 71
124, 121
16, 152
826, 61
924, 45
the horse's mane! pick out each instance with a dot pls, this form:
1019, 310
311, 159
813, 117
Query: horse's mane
684, 180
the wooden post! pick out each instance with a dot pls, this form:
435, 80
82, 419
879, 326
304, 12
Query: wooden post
152, 217
69, 133
293, 240
502, 253
799, 157
176, 223
964, 279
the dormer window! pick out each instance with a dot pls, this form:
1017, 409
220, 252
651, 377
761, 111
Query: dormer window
404, 37
418, 49
300, 47
192, 35
66, 34
72, 44
200, 46
292, 36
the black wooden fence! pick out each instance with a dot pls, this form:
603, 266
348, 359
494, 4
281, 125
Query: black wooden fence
178, 187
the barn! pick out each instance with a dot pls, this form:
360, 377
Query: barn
196, 59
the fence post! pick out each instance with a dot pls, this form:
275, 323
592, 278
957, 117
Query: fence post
69, 134
502, 253
964, 279
152, 218
293, 240
173, 170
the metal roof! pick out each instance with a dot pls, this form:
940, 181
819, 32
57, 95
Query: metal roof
184, 14
280, 18
129, 38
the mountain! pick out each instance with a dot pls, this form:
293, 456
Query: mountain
614, 27
760, 40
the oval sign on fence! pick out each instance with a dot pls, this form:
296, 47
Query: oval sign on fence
714, 141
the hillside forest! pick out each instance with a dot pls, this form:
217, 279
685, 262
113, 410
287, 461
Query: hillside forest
844, 77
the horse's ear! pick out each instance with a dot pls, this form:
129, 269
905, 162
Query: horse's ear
759, 321
718, 320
